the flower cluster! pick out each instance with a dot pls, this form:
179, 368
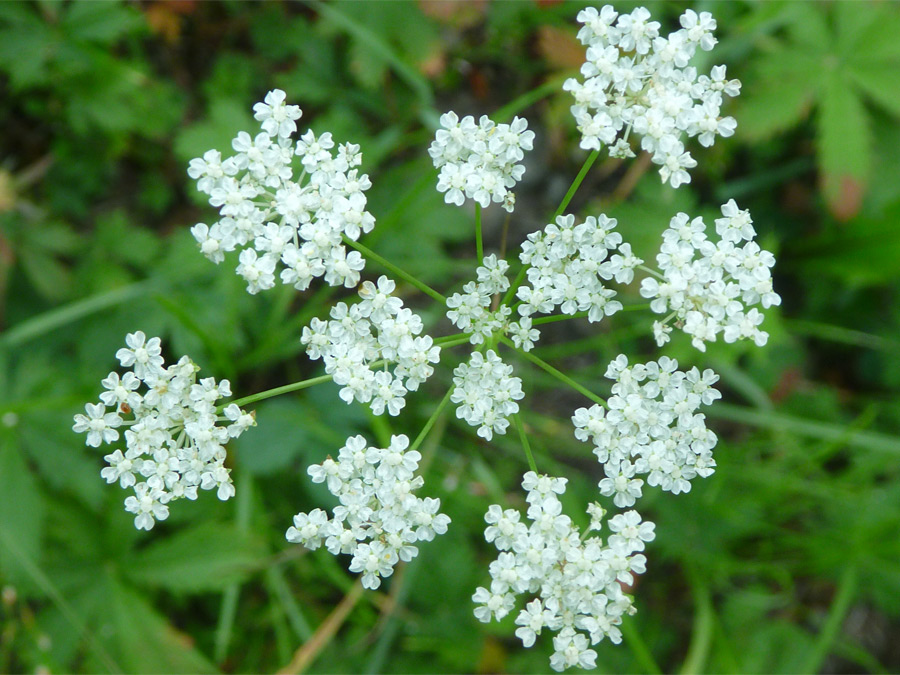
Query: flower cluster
705, 287
486, 391
578, 582
567, 266
480, 161
379, 519
638, 81
274, 217
375, 332
652, 428
174, 443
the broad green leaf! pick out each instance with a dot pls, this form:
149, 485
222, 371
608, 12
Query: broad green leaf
844, 145
280, 436
102, 22
204, 558
21, 514
880, 81
808, 27
865, 252
776, 100
226, 118
146, 642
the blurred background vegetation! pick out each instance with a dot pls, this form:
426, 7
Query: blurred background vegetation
786, 560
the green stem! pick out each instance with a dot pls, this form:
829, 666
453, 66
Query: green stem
558, 317
540, 363
479, 244
431, 420
831, 630
525, 444
278, 391
520, 277
529, 98
650, 270
588, 163
369, 253
452, 340
573, 188
638, 647
702, 630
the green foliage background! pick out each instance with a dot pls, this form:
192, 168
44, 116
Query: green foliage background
786, 560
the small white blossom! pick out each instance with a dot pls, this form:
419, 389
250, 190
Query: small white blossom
362, 340
486, 391
277, 219
575, 579
710, 288
174, 444
379, 520
651, 428
638, 82
479, 161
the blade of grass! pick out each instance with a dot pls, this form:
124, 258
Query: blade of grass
809, 428
62, 316
846, 592
638, 647
43, 582
702, 630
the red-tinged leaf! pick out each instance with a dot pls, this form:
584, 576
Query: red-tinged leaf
844, 145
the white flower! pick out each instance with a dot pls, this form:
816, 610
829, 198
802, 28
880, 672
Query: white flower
637, 81
572, 579
710, 288
377, 330
480, 161
277, 219
652, 427
378, 520
174, 441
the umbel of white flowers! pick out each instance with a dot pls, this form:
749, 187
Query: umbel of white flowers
637, 81
379, 519
277, 219
174, 443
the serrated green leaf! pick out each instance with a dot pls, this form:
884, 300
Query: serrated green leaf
51, 278
146, 642
21, 514
101, 22
844, 145
280, 436
226, 118
205, 558
781, 95
880, 81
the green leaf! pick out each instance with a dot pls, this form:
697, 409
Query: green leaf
147, 643
880, 81
205, 558
780, 93
49, 277
102, 22
281, 435
21, 514
844, 145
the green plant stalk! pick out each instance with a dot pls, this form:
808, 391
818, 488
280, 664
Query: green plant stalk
525, 444
846, 592
638, 647
702, 630
278, 391
529, 98
573, 188
452, 340
479, 244
562, 377
588, 163
369, 253
558, 317
431, 420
